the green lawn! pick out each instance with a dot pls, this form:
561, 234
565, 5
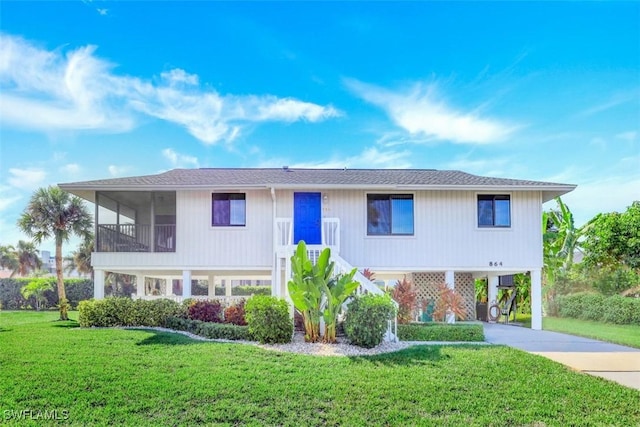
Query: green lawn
138, 377
619, 334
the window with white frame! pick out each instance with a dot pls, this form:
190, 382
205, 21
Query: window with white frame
228, 210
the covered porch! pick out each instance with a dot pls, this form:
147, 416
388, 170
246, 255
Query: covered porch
226, 286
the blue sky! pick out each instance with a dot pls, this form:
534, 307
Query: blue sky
544, 91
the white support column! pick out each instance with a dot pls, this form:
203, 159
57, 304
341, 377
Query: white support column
536, 299
98, 284
168, 288
227, 286
186, 284
211, 292
492, 288
276, 276
450, 280
140, 285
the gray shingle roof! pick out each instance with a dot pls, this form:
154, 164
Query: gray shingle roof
282, 178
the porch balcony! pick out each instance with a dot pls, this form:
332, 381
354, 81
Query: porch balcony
136, 238
135, 221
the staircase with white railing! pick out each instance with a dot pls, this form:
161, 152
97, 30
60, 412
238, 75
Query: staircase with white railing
284, 248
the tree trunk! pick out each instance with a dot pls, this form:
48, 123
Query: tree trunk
62, 296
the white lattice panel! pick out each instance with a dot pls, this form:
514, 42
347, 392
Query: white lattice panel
427, 288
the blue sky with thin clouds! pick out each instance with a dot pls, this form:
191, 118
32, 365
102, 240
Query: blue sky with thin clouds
545, 91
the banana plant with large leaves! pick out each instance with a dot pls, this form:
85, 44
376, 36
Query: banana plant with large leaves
304, 291
336, 292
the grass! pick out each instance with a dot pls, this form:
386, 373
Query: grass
140, 377
620, 334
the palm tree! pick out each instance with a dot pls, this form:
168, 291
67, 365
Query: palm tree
8, 259
28, 259
80, 259
54, 213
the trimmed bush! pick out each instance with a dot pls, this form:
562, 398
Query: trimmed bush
592, 307
367, 319
205, 311
268, 319
614, 309
208, 329
618, 310
126, 312
245, 290
441, 332
235, 314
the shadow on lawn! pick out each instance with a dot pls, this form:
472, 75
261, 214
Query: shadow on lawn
65, 324
416, 355
165, 338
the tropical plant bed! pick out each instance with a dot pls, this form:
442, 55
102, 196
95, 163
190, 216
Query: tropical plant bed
141, 377
472, 332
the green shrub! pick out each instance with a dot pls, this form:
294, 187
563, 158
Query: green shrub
618, 310
126, 312
592, 307
208, 329
245, 290
206, 311
268, 319
571, 305
441, 332
367, 319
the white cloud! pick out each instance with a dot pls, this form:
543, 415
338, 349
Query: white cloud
26, 179
116, 171
103, 12
607, 195
370, 157
52, 91
178, 75
178, 160
8, 197
70, 168
630, 136
613, 102
420, 111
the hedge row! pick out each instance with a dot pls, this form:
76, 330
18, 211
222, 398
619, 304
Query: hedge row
441, 332
11, 299
208, 329
614, 309
267, 317
127, 312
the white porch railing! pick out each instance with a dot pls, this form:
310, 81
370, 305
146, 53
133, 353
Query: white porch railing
330, 233
225, 301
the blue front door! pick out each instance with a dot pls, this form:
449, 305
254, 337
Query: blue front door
307, 217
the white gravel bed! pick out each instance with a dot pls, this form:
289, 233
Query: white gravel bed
297, 345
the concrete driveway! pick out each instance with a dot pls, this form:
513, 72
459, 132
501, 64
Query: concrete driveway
612, 361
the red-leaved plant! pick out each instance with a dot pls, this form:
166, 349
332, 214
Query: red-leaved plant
370, 275
405, 295
206, 311
234, 314
449, 302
